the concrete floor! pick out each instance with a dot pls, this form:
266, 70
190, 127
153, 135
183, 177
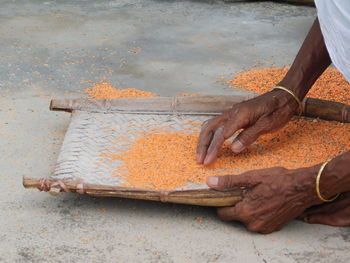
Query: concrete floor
53, 48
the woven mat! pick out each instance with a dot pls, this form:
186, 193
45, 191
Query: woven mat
91, 135
95, 130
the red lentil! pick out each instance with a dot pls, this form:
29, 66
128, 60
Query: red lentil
330, 86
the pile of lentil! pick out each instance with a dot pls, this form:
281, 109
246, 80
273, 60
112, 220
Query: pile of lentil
330, 86
165, 160
104, 90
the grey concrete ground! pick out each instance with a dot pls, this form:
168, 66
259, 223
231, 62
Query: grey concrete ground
53, 48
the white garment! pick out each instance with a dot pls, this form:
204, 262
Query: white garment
334, 18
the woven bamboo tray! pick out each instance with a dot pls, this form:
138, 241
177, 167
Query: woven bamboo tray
96, 124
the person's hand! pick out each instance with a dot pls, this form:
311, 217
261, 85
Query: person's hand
274, 197
263, 114
336, 213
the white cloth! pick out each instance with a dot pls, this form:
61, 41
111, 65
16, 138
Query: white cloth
334, 18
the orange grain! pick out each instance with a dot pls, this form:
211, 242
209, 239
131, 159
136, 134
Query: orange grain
165, 160
330, 86
104, 90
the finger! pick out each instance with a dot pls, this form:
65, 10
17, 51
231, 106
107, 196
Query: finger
215, 145
320, 209
220, 135
328, 208
270, 230
275, 221
324, 219
265, 124
317, 219
204, 141
219, 129
232, 181
339, 218
229, 214
249, 135
303, 217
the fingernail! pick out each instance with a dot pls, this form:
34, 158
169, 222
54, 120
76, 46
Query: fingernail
207, 160
237, 147
213, 181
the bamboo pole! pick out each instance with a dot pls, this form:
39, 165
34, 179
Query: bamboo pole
160, 105
201, 105
202, 197
327, 110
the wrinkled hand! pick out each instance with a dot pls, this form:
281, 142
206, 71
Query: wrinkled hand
275, 196
263, 114
336, 213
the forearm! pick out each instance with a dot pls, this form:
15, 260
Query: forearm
310, 62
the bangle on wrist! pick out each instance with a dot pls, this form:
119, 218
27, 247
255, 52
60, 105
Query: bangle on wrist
301, 108
318, 184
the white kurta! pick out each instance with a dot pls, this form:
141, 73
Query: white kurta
334, 17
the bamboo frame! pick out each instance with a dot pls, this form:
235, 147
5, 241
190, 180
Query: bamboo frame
199, 105
327, 110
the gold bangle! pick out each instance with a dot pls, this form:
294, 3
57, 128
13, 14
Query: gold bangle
294, 96
318, 184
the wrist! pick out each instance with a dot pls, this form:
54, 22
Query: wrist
284, 99
335, 178
306, 181
297, 86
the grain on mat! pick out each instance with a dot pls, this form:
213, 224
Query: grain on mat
166, 160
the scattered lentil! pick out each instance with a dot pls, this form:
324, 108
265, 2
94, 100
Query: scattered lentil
166, 160
199, 219
330, 86
187, 94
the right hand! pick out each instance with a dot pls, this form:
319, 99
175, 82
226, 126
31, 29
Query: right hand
263, 114
274, 196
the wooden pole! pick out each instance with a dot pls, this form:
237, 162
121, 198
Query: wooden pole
327, 110
210, 105
203, 197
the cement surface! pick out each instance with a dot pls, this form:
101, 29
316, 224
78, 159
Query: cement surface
51, 49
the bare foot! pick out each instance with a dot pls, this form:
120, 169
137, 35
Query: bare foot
336, 213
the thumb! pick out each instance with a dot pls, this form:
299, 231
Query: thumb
232, 181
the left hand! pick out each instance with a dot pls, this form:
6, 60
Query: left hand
276, 196
263, 114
